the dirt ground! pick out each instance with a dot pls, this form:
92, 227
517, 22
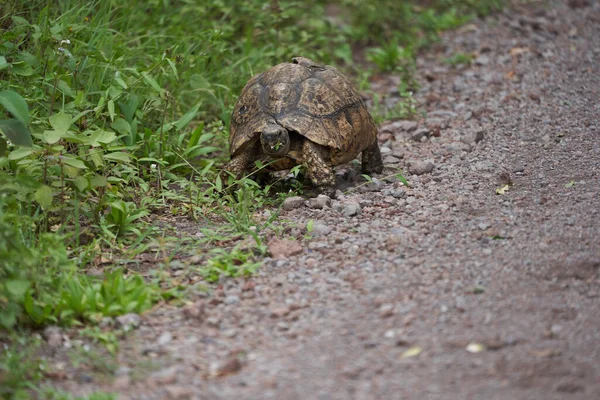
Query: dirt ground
443, 290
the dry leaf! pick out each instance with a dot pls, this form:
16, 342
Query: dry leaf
515, 51
412, 352
475, 348
503, 189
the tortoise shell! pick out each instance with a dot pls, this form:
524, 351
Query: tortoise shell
317, 102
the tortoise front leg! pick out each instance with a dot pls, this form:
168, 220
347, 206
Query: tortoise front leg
371, 159
238, 166
319, 171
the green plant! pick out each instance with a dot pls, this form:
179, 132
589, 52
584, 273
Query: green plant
459, 59
232, 263
20, 369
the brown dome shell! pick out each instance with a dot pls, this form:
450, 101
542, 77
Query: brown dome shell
318, 102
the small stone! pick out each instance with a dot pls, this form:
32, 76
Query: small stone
404, 125
479, 136
419, 134
391, 160
386, 310
482, 59
165, 338
121, 382
230, 333
128, 322
320, 202
283, 248
483, 226
279, 312
226, 367
179, 392
106, 322
194, 311
319, 229
53, 336
396, 193
232, 299
457, 147
420, 167
164, 377
442, 113
348, 208
291, 203
176, 265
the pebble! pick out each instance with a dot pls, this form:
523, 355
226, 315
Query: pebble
164, 339
283, 248
53, 336
420, 167
319, 202
320, 229
232, 299
347, 208
164, 377
419, 134
179, 392
128, 322
291, 203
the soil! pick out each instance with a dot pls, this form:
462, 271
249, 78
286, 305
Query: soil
480, 280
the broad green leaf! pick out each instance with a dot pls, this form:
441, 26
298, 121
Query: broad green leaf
111, 109
151, 81
120, 80
61, 122
96, 157
17, 287
16, 132
73, 162
173, 68
44, 196
22, 68
52, 137
102, 137
65, 88
8, 318
187, 117
81, 183
16, 105
118, 156
71, 172
3, 63
19, 154
122, 126
98, 181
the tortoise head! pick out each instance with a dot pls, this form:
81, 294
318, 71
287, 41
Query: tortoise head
275, 140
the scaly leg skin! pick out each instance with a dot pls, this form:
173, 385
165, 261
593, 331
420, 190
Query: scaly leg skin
318, 170
238, 166
371, 159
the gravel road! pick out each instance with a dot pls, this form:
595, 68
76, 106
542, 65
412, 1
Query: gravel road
479, 281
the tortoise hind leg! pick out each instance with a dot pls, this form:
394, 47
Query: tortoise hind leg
371, 159
319, 171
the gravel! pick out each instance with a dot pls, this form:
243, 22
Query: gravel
443, 289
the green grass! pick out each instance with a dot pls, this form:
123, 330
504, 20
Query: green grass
113, 114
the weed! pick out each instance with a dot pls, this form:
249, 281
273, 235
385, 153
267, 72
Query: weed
459, 59
229, 263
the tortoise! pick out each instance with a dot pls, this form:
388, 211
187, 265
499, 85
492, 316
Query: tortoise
302, 113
